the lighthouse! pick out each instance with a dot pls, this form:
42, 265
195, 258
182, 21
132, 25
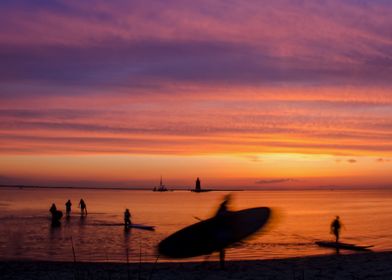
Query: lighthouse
197, 188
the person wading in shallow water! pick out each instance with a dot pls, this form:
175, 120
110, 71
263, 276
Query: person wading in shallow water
127, 218
223, 210
56, 215
68, 208
83, 207
336, 225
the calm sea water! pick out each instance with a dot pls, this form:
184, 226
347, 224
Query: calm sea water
300, 218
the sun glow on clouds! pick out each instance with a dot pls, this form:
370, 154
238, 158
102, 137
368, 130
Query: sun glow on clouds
298, 94
227, 171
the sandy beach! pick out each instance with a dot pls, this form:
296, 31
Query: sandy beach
354, 266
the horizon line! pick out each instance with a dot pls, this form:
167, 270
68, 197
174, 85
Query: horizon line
185, 188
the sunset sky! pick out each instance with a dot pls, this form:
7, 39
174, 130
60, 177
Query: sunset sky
260, 94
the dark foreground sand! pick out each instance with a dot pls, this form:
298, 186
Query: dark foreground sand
355, 266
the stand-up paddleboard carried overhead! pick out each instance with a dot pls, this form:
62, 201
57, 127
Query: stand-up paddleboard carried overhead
215, 234
133, 225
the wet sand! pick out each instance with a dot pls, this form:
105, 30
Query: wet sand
354, 266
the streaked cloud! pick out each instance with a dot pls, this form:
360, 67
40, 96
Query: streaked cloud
134, 44
197, 78
276, 181
381, 160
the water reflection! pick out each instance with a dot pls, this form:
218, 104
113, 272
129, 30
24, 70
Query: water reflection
16, 243
82, 220
127, 238
54, 240
68, 220
26, 233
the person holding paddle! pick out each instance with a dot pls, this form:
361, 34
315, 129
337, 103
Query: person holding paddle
335, 228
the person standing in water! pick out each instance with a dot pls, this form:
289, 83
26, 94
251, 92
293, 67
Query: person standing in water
56, 215
53, 209
222, 210
83, 207
127, 218
336, 225
68, 208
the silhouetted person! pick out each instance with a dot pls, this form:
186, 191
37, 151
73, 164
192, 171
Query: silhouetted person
222, 210
198, 186
335, 228
68, 208
127, 218
53, 209
56, 215
83, 207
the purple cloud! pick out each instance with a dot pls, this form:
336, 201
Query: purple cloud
276, 181
135, 45
290, 75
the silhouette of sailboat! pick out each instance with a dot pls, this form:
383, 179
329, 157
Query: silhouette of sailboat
161, 187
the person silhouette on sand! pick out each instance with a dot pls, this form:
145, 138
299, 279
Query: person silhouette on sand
68, 208
336, 225
127, 218
223, 210
83, 207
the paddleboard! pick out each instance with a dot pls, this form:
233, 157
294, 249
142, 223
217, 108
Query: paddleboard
214, 234
137, 226
344, 246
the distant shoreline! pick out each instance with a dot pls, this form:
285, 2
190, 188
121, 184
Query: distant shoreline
109, 188
321, 188
352, 266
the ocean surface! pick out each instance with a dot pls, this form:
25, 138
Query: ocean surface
299, 219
